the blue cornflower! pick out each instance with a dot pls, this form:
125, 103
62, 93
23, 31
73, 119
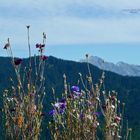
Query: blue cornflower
75, 88
61, 106
63, 100
61, 111
82, 115
52, 112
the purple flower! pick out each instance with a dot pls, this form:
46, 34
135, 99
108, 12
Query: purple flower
52, 112
63, 100
17, 61
61, 106
57, 105
40, 45
75, 89
61, 111
82, 115
77, 95
37, 45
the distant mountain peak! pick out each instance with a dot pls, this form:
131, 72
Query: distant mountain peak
121, 67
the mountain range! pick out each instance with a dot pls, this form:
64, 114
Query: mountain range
119, 68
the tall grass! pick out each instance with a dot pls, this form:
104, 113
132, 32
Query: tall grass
87, 112
23, 101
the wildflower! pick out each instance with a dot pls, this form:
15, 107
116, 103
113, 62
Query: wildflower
76, 95
61, 111
75, 89
37, 45
60, 105
17, 61
44, 57
62, 100
40, 46
57, 105
96, 124
63, 106
52, 112
81, 115
117, 119
76, 92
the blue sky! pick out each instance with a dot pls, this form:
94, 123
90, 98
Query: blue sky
110, 30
